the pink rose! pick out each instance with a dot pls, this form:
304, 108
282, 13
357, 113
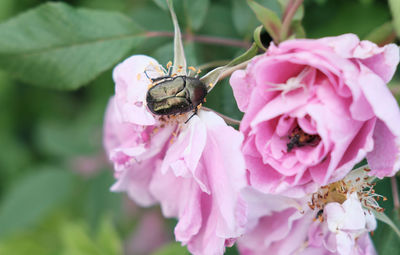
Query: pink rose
195, 170
315, 108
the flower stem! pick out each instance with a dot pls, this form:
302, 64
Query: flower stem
202, 38
288, 16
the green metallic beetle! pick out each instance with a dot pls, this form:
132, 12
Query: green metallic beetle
175, 95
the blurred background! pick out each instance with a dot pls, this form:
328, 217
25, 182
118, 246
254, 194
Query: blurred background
54, 176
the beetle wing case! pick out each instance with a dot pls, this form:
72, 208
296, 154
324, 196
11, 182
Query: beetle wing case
175, 95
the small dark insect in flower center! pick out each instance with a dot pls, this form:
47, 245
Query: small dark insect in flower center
299, 138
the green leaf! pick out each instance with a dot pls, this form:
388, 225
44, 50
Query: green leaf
385, 219
243, 17
77, 241
381, 34
164, 53
299, 13
108, 239
339, 17
257, 38
298, 29
387, 241
211, 78
57, 46
41, 240
32, 198
6, 7
395, 9
196, 12
179, 53
99, 201
162, 4
172, 249
54, 138
268, 18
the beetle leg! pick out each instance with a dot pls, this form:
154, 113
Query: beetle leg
145, 73
169, 66
195, 112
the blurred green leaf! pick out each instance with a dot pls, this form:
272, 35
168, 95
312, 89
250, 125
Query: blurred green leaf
108, 239
41, 240
77, 241
298, 29
385, 219
268, 18
342, 16
23, 246
165, 53
217, 22
99, 200
6, 8
76, 138
57, 46
196, 12
243, 17
32, 198
381, 34
395, 10
299, 13
152, 18
385, 239
172, 249
162, 4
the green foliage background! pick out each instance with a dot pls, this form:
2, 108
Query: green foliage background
54, 177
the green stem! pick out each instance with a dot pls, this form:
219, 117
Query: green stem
229, 71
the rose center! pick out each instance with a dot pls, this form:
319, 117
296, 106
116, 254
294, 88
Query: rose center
299, 138
339, 191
